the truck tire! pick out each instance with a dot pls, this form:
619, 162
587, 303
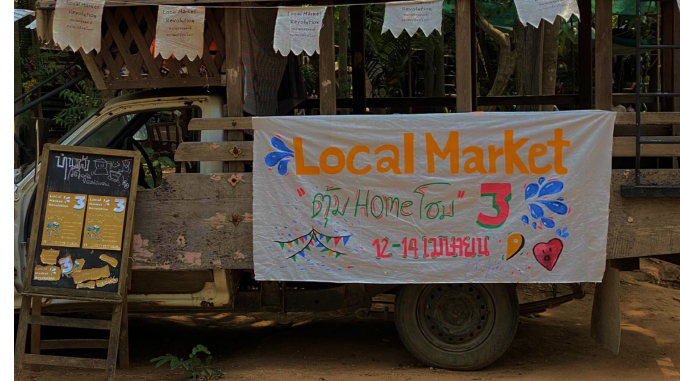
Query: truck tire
457, 326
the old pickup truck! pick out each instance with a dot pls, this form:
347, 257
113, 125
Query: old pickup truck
193, 240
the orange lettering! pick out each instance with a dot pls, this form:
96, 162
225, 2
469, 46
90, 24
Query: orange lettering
300, 168
494, 154
350, 160
513, 160
536, 151
475, 163
450, 149
559, 143
332, 169
408, 152
386, 164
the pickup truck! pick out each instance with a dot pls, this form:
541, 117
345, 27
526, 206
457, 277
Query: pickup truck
191, 207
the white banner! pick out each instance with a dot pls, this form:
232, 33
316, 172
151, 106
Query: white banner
532, 11
497, 197
298, 29
78, 24
179, 31
411, 15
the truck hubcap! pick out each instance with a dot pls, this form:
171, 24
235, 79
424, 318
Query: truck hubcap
455, 317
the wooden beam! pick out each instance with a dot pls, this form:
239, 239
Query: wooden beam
463, 56
234, 70
74, 344
585, 56
22, 330
625, 147
214, 151
114, 340
357, 16
207, 124
603, 55
327, 65
74, 362
58, 321
628, 118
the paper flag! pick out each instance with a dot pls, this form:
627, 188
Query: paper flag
345, 240
532, 11
78, 24
179, 31
411, 15
281, 244
336, 240
297, 29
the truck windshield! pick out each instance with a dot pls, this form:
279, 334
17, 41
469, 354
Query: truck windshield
77, 126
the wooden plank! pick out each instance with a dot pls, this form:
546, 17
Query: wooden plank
357, 16
160, 83
36, 304
603, 55
22, 330
327, 85
463, 56
139, 39
585, 56
123, 49
93, 69
58, 321
214, 151
643, 226
74, 344
628, 118
123, 342
114, 337
184, 223
605, 319
74, 362
207, 124
234, 74
624, 146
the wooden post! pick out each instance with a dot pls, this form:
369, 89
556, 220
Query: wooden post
20, 346
35, 328
357, 16
234, 70
585, 56
473, 57
603, 55
670, 61
605, 320
530, 62
114, 339
463, 56
327, 65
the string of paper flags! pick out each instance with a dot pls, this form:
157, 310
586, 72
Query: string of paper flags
179, 29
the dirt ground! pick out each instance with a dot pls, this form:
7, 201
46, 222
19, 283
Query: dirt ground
554, 345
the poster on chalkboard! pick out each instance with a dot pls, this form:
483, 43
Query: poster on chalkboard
82, 224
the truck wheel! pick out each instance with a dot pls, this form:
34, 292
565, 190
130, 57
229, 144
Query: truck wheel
457, 326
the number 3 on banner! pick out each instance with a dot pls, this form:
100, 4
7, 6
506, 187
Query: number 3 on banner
80, 204
501, 193
120, 205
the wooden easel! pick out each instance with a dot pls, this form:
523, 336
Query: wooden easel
117, 342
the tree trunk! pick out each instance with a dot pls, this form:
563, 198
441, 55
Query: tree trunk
551, 45
343, 79
507, 59
529, 62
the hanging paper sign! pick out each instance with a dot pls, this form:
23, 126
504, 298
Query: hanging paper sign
494, 197
77, 24
179, 31
532, 11
297, 29
411, 15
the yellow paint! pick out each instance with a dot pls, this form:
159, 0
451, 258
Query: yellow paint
514, 246
110, 260
49, 256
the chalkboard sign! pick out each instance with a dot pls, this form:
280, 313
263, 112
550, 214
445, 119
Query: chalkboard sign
82, 223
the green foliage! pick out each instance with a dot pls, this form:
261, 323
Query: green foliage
193, 366
79, 104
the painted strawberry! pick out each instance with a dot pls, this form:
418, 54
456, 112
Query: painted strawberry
548, 253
